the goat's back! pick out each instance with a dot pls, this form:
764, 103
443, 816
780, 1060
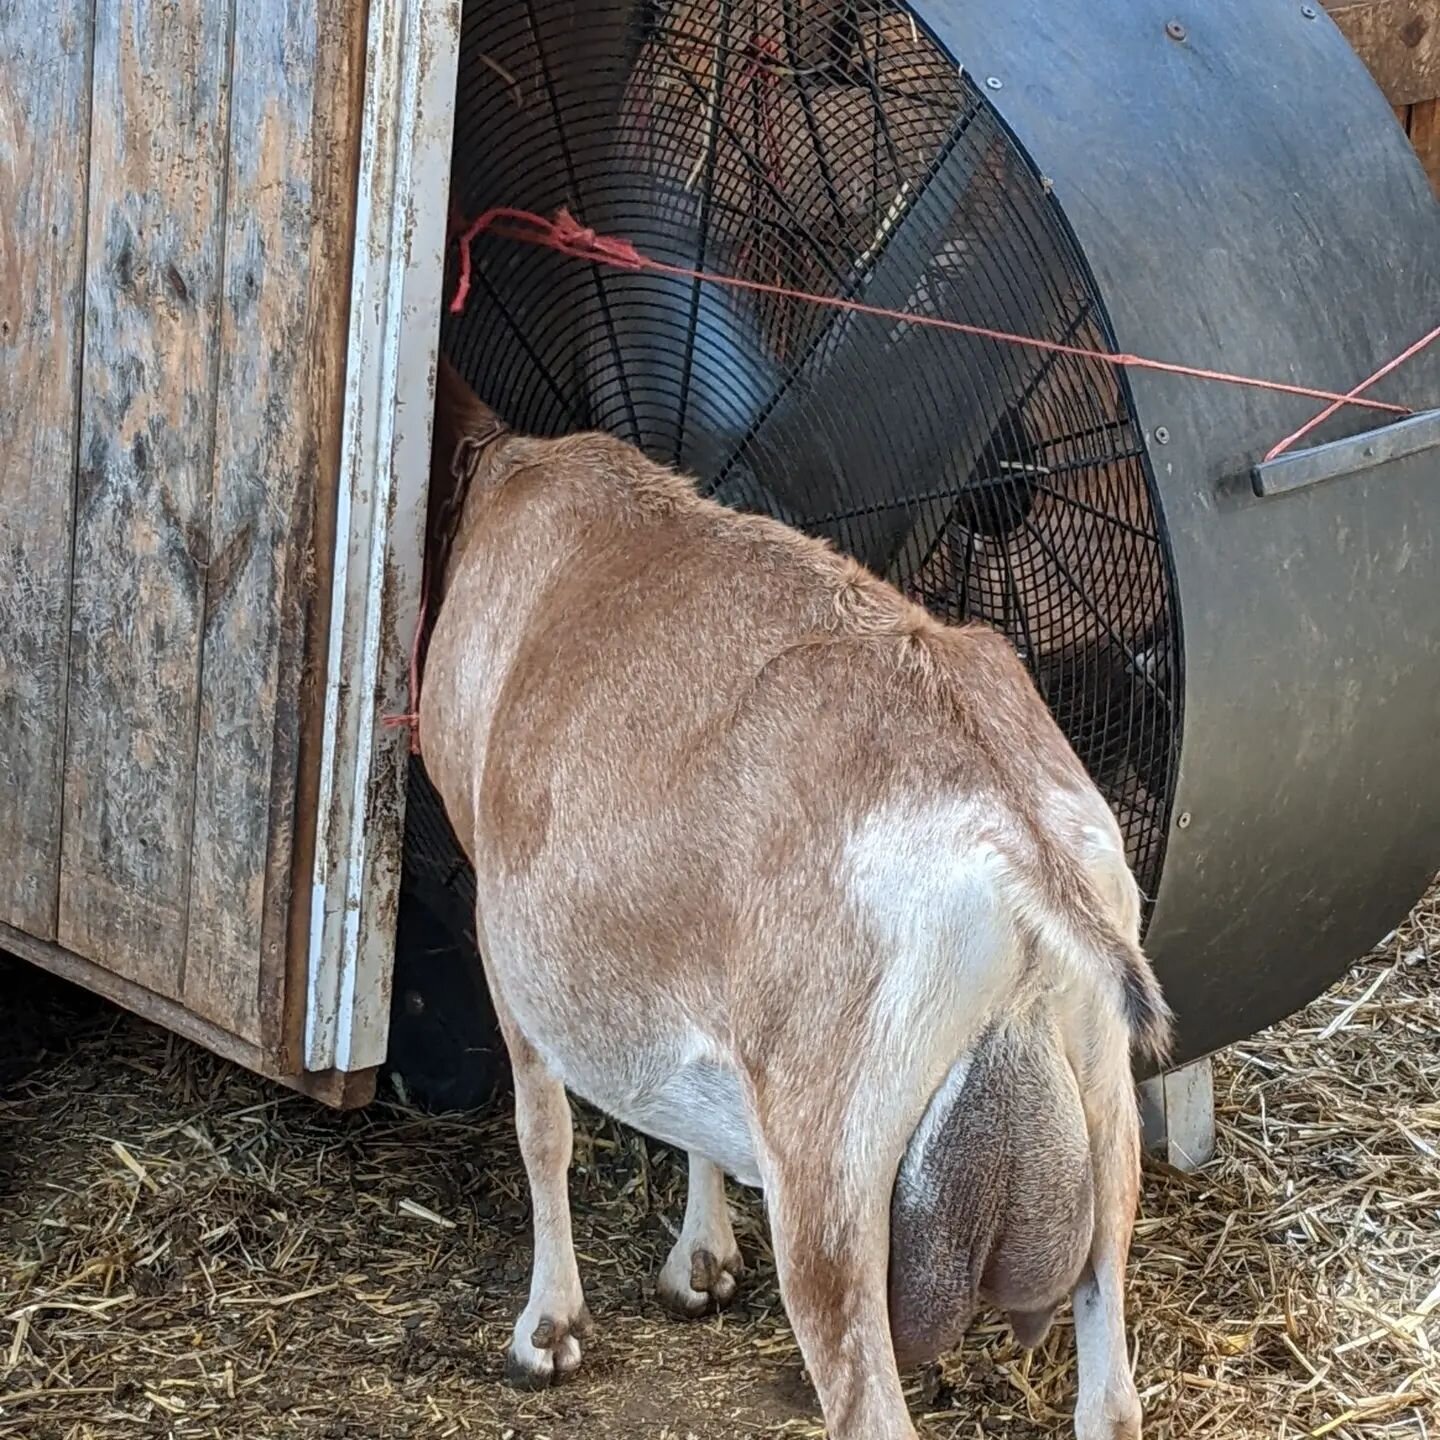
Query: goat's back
677, 647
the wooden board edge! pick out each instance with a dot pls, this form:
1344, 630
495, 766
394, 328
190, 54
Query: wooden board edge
295, 802
1423, 128
41, 365
396, 303
337, 1089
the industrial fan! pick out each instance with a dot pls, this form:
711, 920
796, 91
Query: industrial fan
954, 161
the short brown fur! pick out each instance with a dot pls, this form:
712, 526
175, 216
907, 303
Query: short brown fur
676, 741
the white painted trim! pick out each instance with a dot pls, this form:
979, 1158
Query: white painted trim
412, 50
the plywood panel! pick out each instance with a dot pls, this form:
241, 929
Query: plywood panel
295, 110
1400, 42
44, 129
161, 97
342, 1089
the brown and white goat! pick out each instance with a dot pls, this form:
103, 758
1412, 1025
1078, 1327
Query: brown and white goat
775, 867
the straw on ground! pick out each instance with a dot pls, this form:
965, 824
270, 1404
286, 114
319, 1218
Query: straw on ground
187, 1251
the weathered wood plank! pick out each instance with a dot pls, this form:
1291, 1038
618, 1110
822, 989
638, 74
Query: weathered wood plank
44, 144
1425, 137
343, 1090
295, 110
1399, 40
161, 76
397, 297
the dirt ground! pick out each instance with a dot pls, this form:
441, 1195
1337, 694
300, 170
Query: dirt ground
188, 1251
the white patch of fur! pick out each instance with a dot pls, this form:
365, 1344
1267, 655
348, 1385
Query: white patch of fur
1084, 828
1084, 824
706, 1227
555, 1295
700, 1108
679, 1089
927, 877
1106, 1397
561, 1359
1082, 821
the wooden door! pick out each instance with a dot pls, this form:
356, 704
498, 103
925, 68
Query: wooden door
178, 206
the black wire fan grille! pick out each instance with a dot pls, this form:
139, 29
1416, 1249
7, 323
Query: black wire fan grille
829, 147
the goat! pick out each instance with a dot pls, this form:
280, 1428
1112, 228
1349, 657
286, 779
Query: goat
775, 867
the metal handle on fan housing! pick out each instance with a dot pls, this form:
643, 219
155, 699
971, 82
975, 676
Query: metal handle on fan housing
1302, 468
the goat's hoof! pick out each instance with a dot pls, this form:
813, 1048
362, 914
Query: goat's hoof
699, 1284
1115, 1417
548, 1353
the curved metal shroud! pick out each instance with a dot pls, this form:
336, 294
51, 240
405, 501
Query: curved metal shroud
1246, 201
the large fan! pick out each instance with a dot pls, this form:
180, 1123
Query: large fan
830, 148
1104, 178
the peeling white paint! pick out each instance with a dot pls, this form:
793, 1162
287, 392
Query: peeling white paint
396, 293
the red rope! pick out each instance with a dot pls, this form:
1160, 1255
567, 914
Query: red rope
567, 236
1364, 385
411, 718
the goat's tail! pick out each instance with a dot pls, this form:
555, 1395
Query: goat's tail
1150, 1020
1064, 915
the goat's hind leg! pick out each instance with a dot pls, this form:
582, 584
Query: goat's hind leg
704, 1267
830, 1225
1099, 1045
545, 1346
1108, 1405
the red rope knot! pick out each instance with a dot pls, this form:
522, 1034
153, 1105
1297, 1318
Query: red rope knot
573, 238
564, 234
411, 721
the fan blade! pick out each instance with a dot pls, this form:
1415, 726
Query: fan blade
872, 371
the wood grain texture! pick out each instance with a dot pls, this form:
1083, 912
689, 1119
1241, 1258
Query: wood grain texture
1425, 137
339, 97
1399, 40
158, 136
289, 224
44, 128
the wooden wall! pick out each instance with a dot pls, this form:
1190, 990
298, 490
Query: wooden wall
1400, 41
174, 288
1422, 125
